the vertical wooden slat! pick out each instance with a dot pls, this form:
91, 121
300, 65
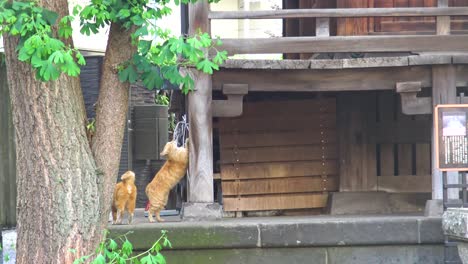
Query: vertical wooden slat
401, 3
371, 20
386, 114
7, 157
430, 3
371, 110
423, 153
291, 26
307, 25
352, 26
416, 3
379, 20
405, 151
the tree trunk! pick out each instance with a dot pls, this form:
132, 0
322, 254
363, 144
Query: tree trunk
111, 112
64, 191
58, 205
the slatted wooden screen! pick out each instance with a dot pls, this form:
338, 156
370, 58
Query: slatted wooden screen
381, 148
402, 25
279, 155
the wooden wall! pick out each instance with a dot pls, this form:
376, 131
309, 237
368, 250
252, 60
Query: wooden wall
279, 155
389, 25
381, 148
7, 157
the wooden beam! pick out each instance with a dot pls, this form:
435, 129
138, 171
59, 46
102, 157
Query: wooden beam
275, 202
399, 43
324, 80
268, 170
404, 184
341, 12
280, 185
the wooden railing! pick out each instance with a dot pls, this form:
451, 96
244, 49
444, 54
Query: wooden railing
441, 41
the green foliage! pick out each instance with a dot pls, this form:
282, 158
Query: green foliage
48, 55
42, 34
161, 98
120, 251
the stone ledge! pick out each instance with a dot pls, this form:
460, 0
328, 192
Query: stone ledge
370, 62
274, 232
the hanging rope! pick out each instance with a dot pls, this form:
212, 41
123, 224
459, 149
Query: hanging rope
180, 134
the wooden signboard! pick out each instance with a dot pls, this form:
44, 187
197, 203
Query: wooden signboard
451, 135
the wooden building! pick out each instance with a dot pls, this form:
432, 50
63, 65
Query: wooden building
348, 110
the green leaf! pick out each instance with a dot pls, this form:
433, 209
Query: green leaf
49, 72
147, 259
206, 66
152, 80
128, 74
144, 46
127, 247
56, 57
166, 242
80, 58
112, 244
160, 259
49, 16
100, 259
220, 57
123, 13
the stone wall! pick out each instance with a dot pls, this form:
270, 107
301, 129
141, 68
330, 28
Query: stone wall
319, 239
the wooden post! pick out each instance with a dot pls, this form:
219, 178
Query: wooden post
443, 92
7, 157
200, 183
443, 22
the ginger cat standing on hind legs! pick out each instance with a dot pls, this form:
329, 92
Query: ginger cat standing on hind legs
124, 198
168, 176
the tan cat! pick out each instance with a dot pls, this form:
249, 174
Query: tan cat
124, 198
168, 176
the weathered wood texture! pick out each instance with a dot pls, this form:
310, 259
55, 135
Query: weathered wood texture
201, 141
7, 157
354, 10
443, 92
200, 175
279, 155
324, 80
378, 144
399, 43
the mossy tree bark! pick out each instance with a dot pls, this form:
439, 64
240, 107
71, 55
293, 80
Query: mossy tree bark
64, 187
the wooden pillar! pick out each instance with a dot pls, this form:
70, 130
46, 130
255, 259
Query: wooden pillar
200, 184
7, 156
443, 92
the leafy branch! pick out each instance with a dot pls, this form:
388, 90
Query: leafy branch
109, 252
41, 40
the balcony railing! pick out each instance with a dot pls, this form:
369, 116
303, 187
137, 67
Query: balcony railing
440, 41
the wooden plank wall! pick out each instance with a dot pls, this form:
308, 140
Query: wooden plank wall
390, 25
381, 148
279, 155
7, 157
